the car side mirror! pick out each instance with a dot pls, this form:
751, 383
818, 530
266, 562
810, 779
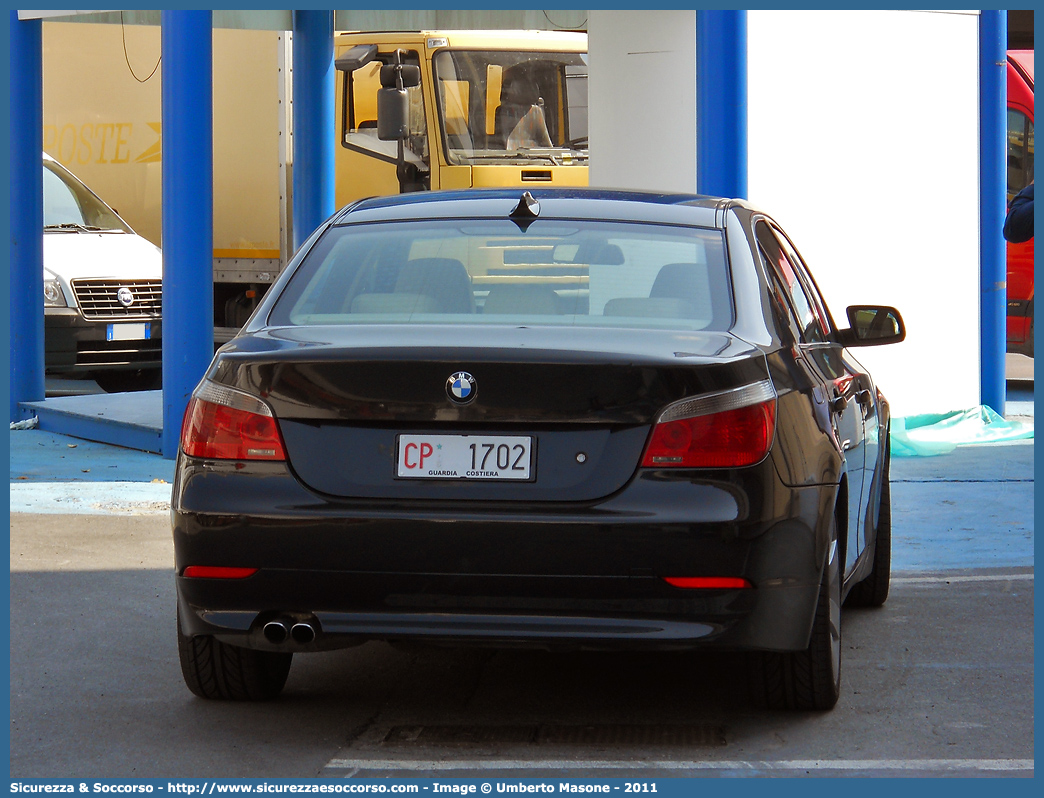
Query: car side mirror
872, 325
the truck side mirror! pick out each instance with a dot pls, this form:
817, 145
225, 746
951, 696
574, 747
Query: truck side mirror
358, 56
393, 102
410, 76
393, 114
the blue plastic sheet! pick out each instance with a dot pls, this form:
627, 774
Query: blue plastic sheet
935, 434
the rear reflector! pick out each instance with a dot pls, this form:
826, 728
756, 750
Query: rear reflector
730, 429
225, 424
217, 572
708, 582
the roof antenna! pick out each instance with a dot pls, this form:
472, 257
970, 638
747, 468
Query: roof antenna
526, 212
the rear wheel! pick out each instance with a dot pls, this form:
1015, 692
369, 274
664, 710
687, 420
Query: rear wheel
872, 591
216, 670
809, 679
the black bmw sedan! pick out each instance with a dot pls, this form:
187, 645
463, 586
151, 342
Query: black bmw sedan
559, 418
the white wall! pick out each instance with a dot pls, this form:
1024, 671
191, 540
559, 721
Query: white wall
863, 144
642, 99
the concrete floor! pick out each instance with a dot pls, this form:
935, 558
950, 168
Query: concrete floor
1018, 367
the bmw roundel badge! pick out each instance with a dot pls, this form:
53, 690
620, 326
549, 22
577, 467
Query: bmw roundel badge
461, 388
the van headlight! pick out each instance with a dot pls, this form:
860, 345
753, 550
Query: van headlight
54, 297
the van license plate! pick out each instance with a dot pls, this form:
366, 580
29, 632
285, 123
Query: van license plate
490, 457
129, 332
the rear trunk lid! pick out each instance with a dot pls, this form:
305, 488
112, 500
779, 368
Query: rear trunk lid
581, 400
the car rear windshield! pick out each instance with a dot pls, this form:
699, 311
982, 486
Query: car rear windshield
600, 274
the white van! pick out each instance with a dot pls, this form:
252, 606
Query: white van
102, 289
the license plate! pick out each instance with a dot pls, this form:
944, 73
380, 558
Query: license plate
490, 457
129, 332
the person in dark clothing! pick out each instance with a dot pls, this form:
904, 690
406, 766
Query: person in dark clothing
1018, 224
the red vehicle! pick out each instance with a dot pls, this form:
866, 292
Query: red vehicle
1020, 174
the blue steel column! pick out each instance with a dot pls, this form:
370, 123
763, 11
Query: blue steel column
721, 103
313, 119
26, 197
993, 35
188, 213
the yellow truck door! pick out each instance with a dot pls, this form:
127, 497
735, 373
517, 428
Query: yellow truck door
494, 108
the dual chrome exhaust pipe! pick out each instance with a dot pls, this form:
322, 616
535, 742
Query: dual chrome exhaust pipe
279, 631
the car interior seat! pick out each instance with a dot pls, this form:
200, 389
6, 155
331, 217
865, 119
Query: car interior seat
536, 300
444, 279
684, 281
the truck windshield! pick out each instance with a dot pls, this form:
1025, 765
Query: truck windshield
512, 106
69, 205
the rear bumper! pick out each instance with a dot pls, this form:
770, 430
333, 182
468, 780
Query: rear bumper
586, 576
74, 345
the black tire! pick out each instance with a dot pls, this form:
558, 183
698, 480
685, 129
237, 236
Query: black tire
809, 679
216, 670
872, 591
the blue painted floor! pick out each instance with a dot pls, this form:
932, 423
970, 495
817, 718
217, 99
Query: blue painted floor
133, 420
1019, 399
971, 508
52, 473
39, 456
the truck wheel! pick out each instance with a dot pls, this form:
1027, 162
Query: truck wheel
809, 679
872, 591
216, 670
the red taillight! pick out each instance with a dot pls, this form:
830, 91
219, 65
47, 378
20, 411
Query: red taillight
223, 424
726, 430
708, 582
217, 572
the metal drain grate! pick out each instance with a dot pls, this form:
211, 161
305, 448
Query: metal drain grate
462, 734
667, 735
688, 735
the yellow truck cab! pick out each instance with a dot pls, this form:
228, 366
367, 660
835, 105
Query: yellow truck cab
428, 110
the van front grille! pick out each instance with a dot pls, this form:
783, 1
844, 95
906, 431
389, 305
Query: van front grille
119, 300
